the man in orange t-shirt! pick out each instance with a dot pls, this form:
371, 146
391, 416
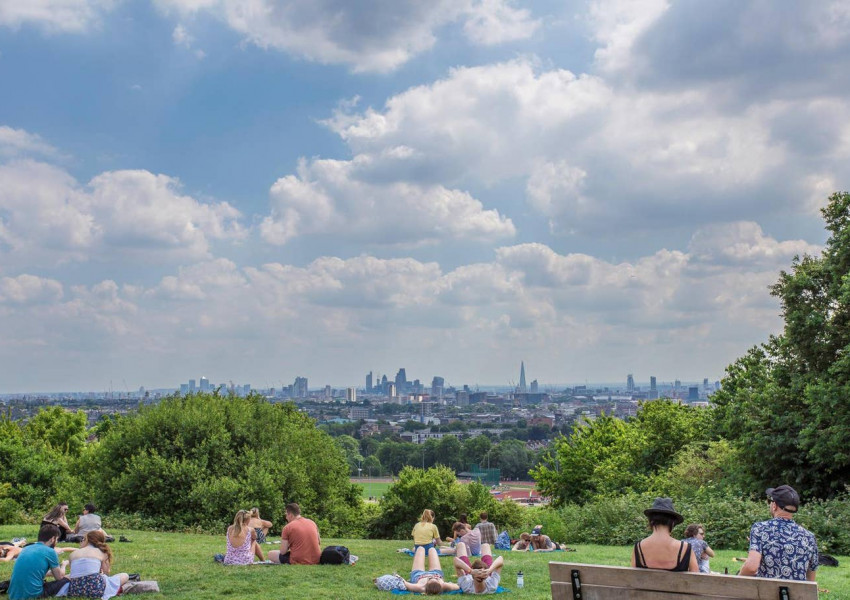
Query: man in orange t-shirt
299, 541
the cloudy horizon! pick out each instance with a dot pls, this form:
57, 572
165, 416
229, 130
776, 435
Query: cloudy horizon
259, 190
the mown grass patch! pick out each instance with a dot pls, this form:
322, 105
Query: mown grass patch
183, 565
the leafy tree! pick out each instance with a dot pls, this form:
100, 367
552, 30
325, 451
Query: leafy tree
351, 450
449, 452
784, 405
513, 458
60, 429
476, 449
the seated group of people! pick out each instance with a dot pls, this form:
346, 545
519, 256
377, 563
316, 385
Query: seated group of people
300, 543
88, 521
89, 575
779, 547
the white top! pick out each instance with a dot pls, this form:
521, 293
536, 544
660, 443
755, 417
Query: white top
467, 584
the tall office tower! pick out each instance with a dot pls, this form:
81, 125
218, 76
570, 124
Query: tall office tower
522, 388
351, 395
677, 384
205, 384
653, 388
693, 393
437, 385
705, 384
401, 381
369, 382
384, 384
391, 390
630, 382
534, 387
191, 386
246, 389
184, 389
328, 392
299, 388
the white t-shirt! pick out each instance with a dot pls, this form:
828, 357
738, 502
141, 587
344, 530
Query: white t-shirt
467, 583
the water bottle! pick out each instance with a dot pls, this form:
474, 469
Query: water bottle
519, 581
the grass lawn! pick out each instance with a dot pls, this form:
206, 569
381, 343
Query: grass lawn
373, 488
184, 567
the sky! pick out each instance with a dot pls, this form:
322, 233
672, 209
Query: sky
253, 190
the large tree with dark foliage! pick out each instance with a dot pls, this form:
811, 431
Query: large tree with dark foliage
786, 403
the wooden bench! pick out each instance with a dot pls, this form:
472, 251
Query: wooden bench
573, 581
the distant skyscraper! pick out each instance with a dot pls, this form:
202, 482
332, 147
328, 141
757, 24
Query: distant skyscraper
351, 395
391, 390
653, 388
693, 393
299, 388
401, 381
437, 385
191, 386
205, 384
534, 386
522, 388
184, 388
630, 382
369, 383
677, 384
384, 385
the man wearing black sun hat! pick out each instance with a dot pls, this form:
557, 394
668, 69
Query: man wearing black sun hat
780, 548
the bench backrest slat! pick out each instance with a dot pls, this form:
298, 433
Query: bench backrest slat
625, 583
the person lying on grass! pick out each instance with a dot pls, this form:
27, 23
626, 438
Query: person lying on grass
481, 576
428, 582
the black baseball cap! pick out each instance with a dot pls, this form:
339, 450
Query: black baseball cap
785, 497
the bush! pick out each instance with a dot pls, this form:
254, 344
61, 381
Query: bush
194, 461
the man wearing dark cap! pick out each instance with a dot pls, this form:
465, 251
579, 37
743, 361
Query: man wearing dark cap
780, 548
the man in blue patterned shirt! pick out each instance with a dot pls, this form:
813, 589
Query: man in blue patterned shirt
780, 548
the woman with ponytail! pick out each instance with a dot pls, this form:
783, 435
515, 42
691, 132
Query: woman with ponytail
90, 566
242, 541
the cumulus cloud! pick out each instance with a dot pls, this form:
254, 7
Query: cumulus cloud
47, 217
71, 16
29, 289
368, 36
17, 142
331, 197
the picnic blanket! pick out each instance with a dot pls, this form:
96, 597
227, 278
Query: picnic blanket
499, 590
410, 552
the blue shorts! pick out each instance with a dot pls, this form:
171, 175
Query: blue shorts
426, 546
417, 574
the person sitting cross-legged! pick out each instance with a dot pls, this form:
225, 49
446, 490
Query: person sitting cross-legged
481, 576
428, 582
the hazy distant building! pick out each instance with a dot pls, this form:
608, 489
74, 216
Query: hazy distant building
391, 390
653, 388
351, 395
192, 386
437, 385
328, 392
299, 388
630, 383
401, 381
462, 398
533, 389
369, 382
522, 389
184, 388
677, 384
693, 393
384, 384
205, 384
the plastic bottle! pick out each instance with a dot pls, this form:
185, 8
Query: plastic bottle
519, 580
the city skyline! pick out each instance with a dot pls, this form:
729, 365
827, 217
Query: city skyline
595, 188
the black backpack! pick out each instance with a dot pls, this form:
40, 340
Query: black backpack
334, 555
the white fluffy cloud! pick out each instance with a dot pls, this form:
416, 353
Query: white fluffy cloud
17, 142
74, 16
332, 197
47, 217
29, 289
372, 35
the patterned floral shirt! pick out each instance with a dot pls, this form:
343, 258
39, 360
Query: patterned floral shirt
787, 550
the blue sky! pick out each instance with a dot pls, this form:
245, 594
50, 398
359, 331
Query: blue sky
252, 190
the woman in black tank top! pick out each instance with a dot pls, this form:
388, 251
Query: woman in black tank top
660, 550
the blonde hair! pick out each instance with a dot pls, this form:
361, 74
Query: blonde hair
255, 513
97, 539
427, 516
55, 513
239, 522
